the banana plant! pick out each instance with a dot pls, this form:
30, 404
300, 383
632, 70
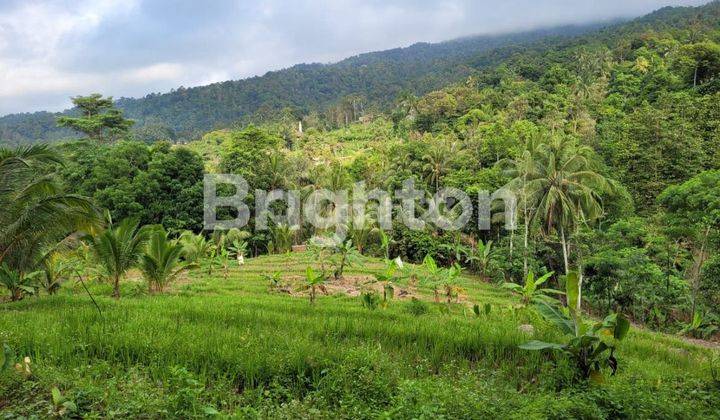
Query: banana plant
370, 300
219, 257
698, 327
457, 252
344, 255
314, 281
450, 278
238, 250
274, 280
385, 242
432, 275
592, 348
482, 258
530, 292
18, 283
388, 276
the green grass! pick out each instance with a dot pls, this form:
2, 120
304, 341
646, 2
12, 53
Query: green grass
229, 346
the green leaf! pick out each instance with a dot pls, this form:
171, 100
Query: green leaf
8, 357
572, 287
544, 278
512, 286
536, 345
556, 317
622, 327
56, 396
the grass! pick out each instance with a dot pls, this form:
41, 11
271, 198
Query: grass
229, 347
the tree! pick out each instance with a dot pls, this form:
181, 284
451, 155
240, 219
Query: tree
37, 213
99, 119
157, 183
482, 258
118, 249
705, 59
161, 264
692, 212
248, 153
564, 190
436, 164
195, 247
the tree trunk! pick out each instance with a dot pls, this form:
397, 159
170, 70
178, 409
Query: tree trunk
525, 247
512, 241
116, 287
697, 270
565, 250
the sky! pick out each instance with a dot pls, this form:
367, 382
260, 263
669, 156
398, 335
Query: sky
51, 50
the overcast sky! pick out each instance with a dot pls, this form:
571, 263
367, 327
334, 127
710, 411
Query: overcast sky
53, 49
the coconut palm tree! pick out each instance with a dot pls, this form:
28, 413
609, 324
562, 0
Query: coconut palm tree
36, 213
195, 247
567, 188
118, 248
161, 262
362, 232
281, 239
521, 170
558, 182
435, 164
54, 271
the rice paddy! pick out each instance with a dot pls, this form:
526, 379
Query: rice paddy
226, 345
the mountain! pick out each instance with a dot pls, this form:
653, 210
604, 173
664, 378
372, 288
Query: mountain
373, 79
377, 77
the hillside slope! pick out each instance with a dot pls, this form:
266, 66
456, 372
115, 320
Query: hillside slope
232, 346
374, 79
377, 77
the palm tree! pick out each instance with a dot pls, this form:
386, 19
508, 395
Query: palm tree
362, 232
36, 213
118, 249
560, 181
436, 162
281, 239
55, 270
161, 262
568, 190
521, 170
277, 169
195, 247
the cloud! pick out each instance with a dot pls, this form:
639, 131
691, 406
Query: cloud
53, 49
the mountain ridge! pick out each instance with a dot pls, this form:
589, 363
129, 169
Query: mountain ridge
375, 78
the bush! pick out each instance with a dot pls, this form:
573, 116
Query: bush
417, 307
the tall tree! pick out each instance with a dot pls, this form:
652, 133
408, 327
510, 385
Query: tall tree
564, 188
99, 119
693, 215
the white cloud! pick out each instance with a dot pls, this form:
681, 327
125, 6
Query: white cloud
53, 49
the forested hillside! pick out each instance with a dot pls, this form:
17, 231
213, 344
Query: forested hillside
371, 80
597, 297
